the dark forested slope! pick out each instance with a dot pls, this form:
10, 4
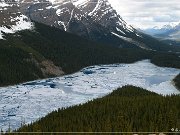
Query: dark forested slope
177, 81
26, 55
125, 110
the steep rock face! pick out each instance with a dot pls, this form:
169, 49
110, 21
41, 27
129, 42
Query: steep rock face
91, 19
100, 22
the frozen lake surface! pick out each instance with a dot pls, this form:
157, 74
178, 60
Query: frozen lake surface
32, 100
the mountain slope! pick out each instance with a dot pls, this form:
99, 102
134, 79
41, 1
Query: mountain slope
98, 21
29, 55
95, 20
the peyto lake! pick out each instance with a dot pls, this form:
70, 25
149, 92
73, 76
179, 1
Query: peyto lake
32, 100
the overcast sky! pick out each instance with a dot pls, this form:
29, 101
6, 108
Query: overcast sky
148, 13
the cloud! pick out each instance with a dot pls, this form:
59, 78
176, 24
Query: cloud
146, 13
165, 18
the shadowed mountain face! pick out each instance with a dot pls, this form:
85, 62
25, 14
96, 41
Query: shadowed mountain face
93, 19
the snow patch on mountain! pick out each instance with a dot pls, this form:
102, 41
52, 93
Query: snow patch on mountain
120, 31
62, 24
80, 3
130, 40
3, 4
49, 7
56, 1
21, 23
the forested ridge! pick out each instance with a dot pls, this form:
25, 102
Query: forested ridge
177, 81
21, 53
127, 109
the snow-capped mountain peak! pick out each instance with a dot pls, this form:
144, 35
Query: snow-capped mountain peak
169, 31
166, 26
92, 19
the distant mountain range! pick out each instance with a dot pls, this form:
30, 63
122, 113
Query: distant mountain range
169, 33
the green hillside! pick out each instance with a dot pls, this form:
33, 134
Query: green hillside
127, 109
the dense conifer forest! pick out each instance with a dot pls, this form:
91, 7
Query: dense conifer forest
21, 53
127, 109
177, 81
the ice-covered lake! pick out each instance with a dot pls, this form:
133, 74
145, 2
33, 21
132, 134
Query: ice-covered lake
32, 100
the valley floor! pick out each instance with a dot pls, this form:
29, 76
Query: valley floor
29, 101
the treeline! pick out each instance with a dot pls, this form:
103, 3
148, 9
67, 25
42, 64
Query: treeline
20, 54
163, 59
127, 109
